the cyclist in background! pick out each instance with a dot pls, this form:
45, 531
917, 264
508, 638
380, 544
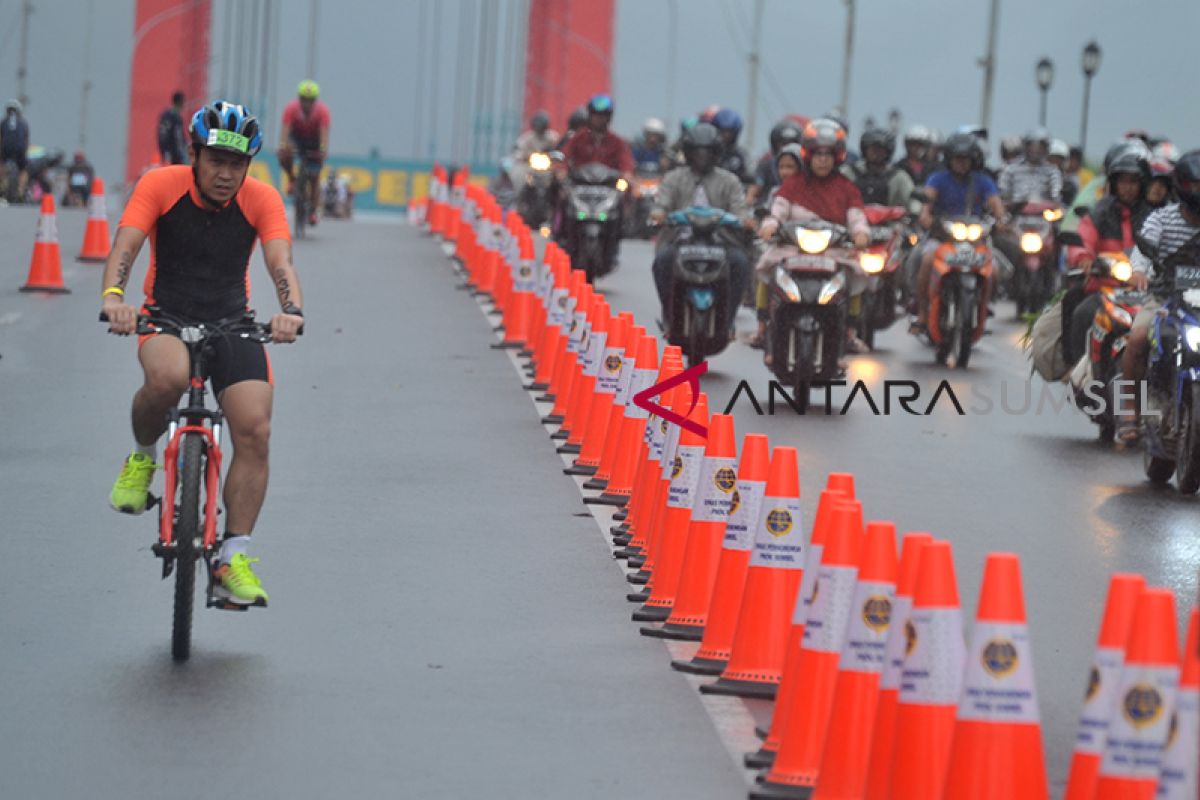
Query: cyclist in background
305, 130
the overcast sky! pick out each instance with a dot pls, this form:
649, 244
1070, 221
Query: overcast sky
918, 55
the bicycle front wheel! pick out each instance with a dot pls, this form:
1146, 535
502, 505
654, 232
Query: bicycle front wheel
299, 199
187, 538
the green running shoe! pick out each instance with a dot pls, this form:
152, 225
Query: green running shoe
237, 583
131, 492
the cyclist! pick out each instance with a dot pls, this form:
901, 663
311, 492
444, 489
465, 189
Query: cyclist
305, 127
202, 221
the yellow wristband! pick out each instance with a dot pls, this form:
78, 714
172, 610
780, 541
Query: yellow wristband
117, 290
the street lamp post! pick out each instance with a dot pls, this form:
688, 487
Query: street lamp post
1044, 72
1091, 63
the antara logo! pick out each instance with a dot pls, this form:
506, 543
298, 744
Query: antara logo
691, 377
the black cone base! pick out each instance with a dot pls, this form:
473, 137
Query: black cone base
779, 791
671, 630
652, 614
619, 530
560, 435
570, 449
736, 688
506, 345
638, 597
596, 485
640, 578
607, 500
759, 759
579, 470
620, 515
700, 666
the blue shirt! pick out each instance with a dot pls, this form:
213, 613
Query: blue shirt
952, 194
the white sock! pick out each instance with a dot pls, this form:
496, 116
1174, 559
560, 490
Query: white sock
232, 545
147, 449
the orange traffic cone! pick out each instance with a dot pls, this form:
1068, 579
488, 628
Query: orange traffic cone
776, 566
608, 371
997, 750
795, 637
806, 718
702, 541
45, 266
616, 418
1101, 697
1178, 778
714, 650
591, 349
1141, 722
620, 485
95, 235
931, 681
844, 766
884, 729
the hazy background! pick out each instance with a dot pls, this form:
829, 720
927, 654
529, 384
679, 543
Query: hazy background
917, 55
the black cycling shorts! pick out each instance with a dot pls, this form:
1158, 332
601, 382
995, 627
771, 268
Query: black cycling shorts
233, 360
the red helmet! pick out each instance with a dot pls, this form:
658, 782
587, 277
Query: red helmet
823, 133
707, 114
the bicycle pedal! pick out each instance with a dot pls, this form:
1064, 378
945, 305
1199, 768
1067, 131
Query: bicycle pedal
152, 500
226, 605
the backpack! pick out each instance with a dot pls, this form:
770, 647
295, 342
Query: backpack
1045, 345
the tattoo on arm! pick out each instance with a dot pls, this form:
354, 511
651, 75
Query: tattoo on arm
282, 288
125, 265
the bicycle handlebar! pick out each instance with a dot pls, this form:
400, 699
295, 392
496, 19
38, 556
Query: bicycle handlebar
242, 326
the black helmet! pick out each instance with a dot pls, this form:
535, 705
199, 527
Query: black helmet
540, 121
577, 119
784, 133
880, 137
960, 144
600, 104
699, 138
1187, 180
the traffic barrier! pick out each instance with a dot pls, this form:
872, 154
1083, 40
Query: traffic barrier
591, 350
711, 499
806, 717
795, 636
620, 485
568, 358
616, 418
96, 242
45, 265
717, 642
883, 733
1100, 699
997, 750
1177, 780
776, 566
577, 346
931, 681
843, 772
608, 375
661, 445
1141, 721
555, 313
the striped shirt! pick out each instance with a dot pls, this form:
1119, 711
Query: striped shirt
1030, 182
1164, 232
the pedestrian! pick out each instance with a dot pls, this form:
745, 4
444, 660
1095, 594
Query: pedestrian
172, 143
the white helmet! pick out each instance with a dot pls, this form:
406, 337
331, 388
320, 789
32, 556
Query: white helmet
1059, 148
917, 133
654, 125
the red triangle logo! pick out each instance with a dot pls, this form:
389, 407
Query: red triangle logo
691, 376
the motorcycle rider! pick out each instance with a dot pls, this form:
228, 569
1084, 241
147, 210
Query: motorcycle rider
1032, 178
14, 142
700, 183
1011, 148
733, 157
1158, 192
540, 138
650, 148
916, 162
821, 192
1169, 234
766, 174
577, 120
1109, 227
79, 181
788, 162
595, 142
959, 188
880, 183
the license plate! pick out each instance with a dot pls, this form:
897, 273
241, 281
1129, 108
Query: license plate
965, 260
1187, 277
806, 261
701, 251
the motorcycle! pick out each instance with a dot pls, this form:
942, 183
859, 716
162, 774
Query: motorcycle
1094, 378
535, 199
646, 179
882, 262
79, 189
39, 171
697, 314
958, 288
807, 305
1035, 273
1171, 445
595, 194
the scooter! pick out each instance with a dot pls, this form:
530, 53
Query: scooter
535, 198
958, 288
646, 179
1035, 275
697, 313
594, 199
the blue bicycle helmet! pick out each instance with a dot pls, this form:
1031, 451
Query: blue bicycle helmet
728, 120
227, 126
600, 104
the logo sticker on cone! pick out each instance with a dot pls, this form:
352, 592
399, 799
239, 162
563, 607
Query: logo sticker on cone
1178, 778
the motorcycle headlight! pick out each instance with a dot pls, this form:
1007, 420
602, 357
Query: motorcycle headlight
831, 289
539, 161
784, 281
544, 231
871, 263
1121, 269
813, 241
622, 184
958, 231
1031, 242
1052, 214
1192, 337
974, 231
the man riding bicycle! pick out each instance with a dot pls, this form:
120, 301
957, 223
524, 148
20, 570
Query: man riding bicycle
305, 130
202, 221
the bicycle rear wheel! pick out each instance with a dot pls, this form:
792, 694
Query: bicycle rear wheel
186, 536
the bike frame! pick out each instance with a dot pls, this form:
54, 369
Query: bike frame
195, 414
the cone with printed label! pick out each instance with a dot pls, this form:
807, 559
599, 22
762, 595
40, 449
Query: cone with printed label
620, 485
608, 370
997, 750
1178, 780
567, 359
884, 729
716, 483
1100, 697
437, 208
670, 365
836, 484
726, 602
96, 242
931, 680
1146, 693
772, 580
552, 332
591, 353
614, 440
843, 771
585, 317
45, 267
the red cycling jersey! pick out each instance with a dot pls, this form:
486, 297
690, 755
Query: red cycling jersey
306, 130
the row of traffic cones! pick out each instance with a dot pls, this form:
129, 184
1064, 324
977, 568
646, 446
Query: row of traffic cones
45, 264
877, 694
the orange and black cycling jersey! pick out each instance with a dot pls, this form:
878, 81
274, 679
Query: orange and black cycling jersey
199, 258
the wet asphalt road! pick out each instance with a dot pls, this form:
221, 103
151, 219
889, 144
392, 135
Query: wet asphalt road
443, 621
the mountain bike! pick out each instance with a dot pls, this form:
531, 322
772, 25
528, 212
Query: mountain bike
310, 172
187, 521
